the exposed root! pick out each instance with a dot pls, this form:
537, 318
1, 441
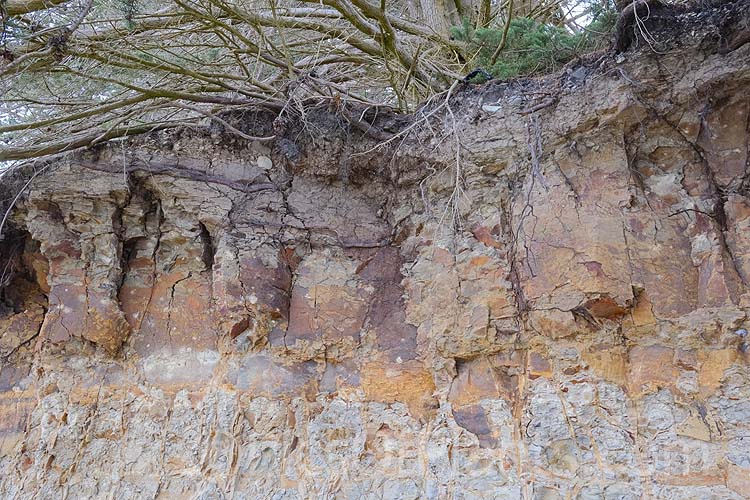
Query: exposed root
630, 25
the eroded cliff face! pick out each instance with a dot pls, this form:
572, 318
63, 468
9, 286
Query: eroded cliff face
189, 318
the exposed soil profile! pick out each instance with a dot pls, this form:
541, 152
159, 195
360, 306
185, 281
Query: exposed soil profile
535, 288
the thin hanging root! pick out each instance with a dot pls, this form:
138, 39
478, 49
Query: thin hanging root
454, 201
629, 17
424, 119
453, 206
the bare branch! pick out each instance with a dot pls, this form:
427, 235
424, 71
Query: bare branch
21, 7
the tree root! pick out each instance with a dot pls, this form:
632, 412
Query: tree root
624, 33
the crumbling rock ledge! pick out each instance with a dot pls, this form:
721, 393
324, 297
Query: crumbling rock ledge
193, 316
